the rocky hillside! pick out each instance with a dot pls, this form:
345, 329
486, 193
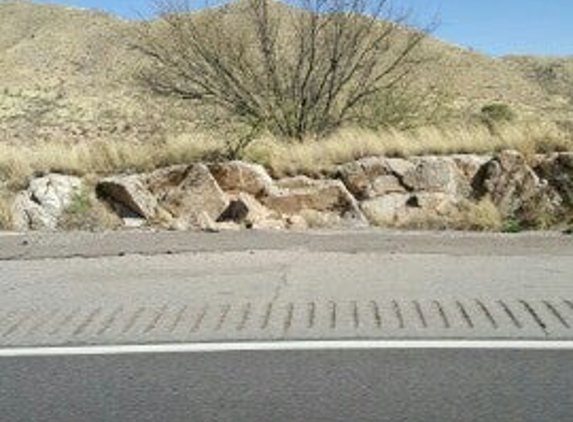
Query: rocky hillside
74, 66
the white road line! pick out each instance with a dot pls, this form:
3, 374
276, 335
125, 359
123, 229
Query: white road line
284, 346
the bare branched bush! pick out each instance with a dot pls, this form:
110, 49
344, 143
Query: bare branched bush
301, 69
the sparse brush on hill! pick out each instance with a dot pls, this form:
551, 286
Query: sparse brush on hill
70, 100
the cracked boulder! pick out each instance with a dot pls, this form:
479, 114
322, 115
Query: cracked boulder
374, 176
41, 205
238, 176
515, 189
187, 192
129, 197
300, 194
177, 197
244, 209
434, 174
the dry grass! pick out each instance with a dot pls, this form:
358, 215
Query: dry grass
5, 211
86, 212
19, 163
315, 157
482, 216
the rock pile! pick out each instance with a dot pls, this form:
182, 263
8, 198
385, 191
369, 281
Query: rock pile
371, 191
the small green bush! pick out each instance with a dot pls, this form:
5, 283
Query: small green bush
497, 113
512, 225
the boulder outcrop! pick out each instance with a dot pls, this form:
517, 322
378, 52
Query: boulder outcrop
557, 169
515, 188
378, 191
177, 196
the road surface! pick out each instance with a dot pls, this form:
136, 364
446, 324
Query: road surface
197, 327
317, 386
108, 289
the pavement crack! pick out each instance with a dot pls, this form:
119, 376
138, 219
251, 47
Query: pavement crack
283, 283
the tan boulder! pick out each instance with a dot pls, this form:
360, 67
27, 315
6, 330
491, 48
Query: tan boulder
186, 192
238, 176
374, 176
385, 210
302, 193
129, 196
322, 220
174, 197
270, 224
433, 174
296, 222
203, 222
398, 208
245, 209
469, 166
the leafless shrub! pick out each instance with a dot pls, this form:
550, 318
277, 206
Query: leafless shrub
301, 69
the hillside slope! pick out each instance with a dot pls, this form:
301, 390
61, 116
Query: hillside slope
67, 73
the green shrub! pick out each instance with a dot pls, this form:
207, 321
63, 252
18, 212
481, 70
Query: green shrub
497, 113
512, 225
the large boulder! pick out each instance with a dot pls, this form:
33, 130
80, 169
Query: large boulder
299, 194
187, 192
374, 176
238, 176
385, 210
515, 189
246, 210
179, 197
41, 205
399, 209
129, 196
434, 174
469, 165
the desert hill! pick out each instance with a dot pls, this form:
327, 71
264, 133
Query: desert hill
67, 73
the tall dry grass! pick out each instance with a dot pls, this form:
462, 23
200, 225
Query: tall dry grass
5, 211
314, 157
20, 162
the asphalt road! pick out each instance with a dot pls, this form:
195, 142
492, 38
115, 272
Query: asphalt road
292, 386
100, 292
57, 290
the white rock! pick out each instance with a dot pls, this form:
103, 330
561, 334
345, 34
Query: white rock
41, 205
